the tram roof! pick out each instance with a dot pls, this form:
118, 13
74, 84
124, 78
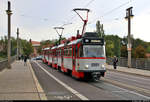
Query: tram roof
61, 45
47, 48
54, 47
74, 42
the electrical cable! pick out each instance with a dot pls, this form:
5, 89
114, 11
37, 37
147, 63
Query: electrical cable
112, 10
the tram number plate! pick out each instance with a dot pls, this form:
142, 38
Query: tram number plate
94, 64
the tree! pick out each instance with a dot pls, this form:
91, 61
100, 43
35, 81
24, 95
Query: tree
109, 48
13, 46
117, 46
124, 52
148, 49
27, 47
47, 43
99, 29
3, 43
114, 47
140, 52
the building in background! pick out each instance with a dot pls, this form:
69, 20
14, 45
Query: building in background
35, 45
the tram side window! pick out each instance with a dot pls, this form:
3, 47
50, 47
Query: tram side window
65, 52
61, 52
70, 51
51, 53
58, 52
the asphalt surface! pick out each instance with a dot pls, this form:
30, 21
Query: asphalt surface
100, 90
139, 81
132, 80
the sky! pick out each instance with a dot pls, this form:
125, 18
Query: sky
37, 18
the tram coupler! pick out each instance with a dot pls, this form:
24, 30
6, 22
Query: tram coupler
96, 75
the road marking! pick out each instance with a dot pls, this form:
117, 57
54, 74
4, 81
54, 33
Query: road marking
63, 84
39, 88
131, 76
129, 86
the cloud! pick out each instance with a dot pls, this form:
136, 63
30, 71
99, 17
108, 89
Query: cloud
140, 26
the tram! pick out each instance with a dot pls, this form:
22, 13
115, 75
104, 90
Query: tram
82, 57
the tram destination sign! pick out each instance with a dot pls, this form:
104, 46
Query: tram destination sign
93, 41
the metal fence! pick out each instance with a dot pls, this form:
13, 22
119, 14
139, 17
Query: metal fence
3, 63
139, 63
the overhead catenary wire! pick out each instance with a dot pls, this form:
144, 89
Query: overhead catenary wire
72, 18
109, 12
70, 21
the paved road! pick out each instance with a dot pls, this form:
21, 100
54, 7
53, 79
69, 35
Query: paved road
57, 85
140, 82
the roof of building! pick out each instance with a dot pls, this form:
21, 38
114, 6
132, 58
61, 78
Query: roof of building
148, 55
35, 43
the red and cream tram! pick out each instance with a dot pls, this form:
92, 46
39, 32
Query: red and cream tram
82, 57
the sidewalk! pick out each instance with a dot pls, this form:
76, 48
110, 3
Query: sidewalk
19, 83
135, 71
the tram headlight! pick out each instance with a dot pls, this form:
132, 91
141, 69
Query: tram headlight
86, 66
103, 66
86, 40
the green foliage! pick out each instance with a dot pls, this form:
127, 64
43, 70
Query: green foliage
117, 46
109, 47
140, 52
3, 43
45, 43
124, 52
27, 47
148, 49
99, 29
13, 46
112, 45
137, 42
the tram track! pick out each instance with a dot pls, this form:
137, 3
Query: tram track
107, 86
127, 86
120, 84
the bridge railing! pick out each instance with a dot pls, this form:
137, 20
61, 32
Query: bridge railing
3, 63
139, 63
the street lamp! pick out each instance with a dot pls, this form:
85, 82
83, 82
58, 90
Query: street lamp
9, 13
17, 43
60, 34
128, 17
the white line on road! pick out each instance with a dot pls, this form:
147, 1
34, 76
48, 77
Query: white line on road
39, 88
63, 84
